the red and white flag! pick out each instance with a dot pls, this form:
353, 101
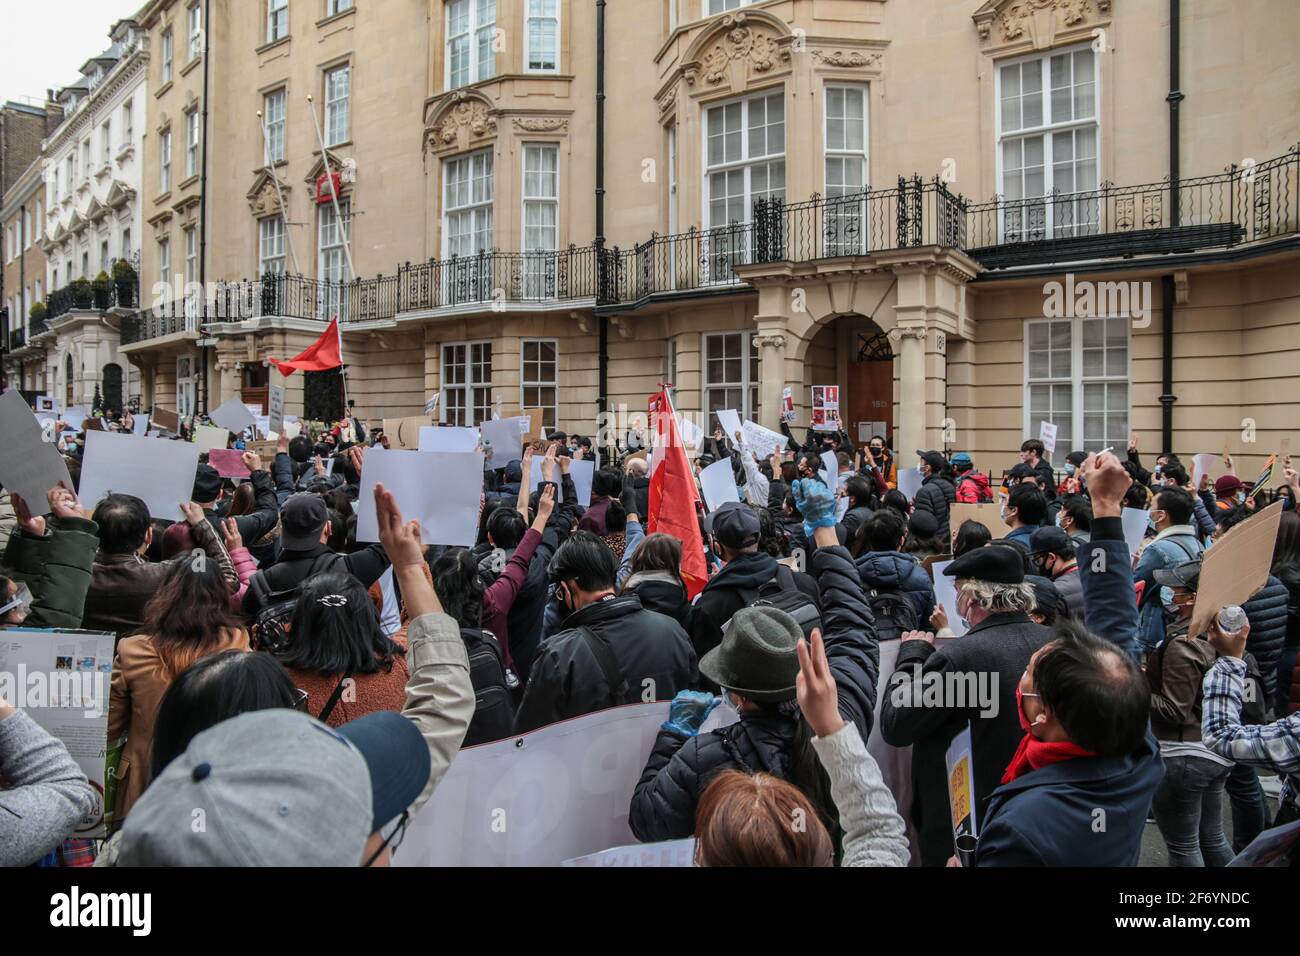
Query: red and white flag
674, 497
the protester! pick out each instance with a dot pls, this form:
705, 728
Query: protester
1055, 555
972, 486
612, 651
656, 578
883, 459
1175, 543
1031, 454
885, 569
971, 535
1075, 518
1024, 512
936, 492
994, 600
54, 558
922, 537
757, 664
209, 494
187, 619
748, 819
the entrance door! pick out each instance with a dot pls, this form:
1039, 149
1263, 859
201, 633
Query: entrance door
871, 388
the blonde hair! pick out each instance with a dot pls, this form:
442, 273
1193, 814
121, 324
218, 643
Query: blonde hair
998, 598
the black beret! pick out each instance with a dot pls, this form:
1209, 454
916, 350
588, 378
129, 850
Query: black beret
992, 563
207, 485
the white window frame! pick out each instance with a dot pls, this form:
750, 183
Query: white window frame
473, 413
336, 106
40, 219
191, 254
476, 210
717, 262
276, 129
332, 258
672, 180
26, 227
277, 20
716, 7
539, 262
185, 388
529, 17
551, 412
194, 31
106, 134
192, 143
334, 7
270, 246
165, 160
126, 242
845, 224
475, 71
168, 54
1076, 381
751, 396
128, 123
165, 260
1084, 213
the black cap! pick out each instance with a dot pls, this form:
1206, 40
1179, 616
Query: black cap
207, 485
302, 519
1185, 575
735, 525
923, 524
934, 459
1077, 458
1047, 596
1050, 539
992, 563
1021, 471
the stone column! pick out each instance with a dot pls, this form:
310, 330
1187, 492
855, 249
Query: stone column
911, 393
771, 343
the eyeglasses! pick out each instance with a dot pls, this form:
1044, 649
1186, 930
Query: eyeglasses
300, 699
393, 840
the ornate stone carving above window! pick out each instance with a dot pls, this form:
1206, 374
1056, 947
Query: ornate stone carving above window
542, 124
461, 122
263, 200
848, 59
735, 50
1038, 24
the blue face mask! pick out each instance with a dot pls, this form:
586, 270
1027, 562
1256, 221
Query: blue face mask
1167, 599
1151, 521
1069, 468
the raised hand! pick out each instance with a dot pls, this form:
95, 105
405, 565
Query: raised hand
193, 513
30, 523
252, 460
815, 687
230, 534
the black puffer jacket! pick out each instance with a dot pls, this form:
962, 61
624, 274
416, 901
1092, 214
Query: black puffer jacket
679, 768
936, 494
650, 650
728, 591
1267, 613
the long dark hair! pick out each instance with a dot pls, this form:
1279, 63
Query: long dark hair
336, 630
659, 552
189, 613
211, 690
1286, 552
243, 501
459, 586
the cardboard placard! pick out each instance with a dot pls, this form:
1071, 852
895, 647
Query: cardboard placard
959, 761
207, 438
1236, 567
986, 514
275, 414
166, 419
404, 433
534, 429
1047, 435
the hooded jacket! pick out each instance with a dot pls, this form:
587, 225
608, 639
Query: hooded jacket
663, 592
650, 650
679, 768
56, 568
896, 571
935, 495
728, 591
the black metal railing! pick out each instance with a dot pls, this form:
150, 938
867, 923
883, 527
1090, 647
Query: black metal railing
17, 339
1243, 204
93, 295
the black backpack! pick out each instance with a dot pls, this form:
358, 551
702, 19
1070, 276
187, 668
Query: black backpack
893, 612
782, 592
494, 705
270, 630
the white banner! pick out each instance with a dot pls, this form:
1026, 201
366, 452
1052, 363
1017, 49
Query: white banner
718, 484
439, 489
161, 473
538, 799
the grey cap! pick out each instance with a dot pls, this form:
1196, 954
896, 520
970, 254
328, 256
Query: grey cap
757, 657
267, 788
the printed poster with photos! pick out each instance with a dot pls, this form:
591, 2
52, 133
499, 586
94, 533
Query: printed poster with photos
61, 680
826, 408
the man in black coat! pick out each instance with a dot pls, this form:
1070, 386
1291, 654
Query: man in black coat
937, 492
934, 694
734, 529
1031, 454
612, 651
253, 527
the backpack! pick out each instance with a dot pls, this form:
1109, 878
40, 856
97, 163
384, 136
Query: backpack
270, 630
979, 484
494, 705
893, 612
781, 592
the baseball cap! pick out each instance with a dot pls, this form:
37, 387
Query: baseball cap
961, 459
278, 788
1185, 575
735, 525
932, 458
207, 485
302, 519
1050, 538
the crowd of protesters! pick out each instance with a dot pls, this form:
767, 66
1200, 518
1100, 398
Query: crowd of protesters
312, 690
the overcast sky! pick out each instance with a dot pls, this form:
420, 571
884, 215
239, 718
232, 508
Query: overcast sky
42, 43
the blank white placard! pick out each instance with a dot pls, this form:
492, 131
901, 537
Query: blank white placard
160, 473
439, 489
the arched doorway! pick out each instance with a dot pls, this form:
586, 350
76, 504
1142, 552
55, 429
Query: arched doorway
111, 391
852, 351
67, 381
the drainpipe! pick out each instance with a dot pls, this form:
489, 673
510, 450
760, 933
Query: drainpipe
1175, 96
203, 213
602, 385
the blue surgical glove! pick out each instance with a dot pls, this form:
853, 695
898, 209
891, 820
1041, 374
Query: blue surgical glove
816, 503
687, 711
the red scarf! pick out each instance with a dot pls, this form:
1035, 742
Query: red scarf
1033, 754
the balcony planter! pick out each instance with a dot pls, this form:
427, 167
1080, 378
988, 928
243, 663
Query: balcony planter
37, 314
103, 292
83, 293
124, 280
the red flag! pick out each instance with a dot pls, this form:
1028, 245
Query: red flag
325, 352
674, 499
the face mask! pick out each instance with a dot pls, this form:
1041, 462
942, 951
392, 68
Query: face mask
1240, 497
1069, 468
1208, 543
1025, 723
1151, 521
1060, 519
1167, 599
1159, 469
1002, 512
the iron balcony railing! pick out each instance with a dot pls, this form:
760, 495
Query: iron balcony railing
17, 339
158, 323
1243, 204
92, 295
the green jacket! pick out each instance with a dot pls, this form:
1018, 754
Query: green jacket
56, 569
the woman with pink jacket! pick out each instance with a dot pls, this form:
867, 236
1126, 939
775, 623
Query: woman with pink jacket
177, 538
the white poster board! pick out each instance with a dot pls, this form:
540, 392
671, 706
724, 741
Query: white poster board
960, 763
670, 853
1047, 435
140, 424
730, 422
440, 490
692, 434
61, 680
207, 438
448, 438
945, 593
557, 476
505, 438
562, 792
1206, 464
718, 484
30, 463
234, 416
1135, 527
762, 441
909, 481
75, 417
161, 473
583, 472
275, 414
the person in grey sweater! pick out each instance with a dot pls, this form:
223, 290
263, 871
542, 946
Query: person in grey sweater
45, 794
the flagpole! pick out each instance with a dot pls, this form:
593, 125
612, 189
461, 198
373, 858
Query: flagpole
284, 210
345, 233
